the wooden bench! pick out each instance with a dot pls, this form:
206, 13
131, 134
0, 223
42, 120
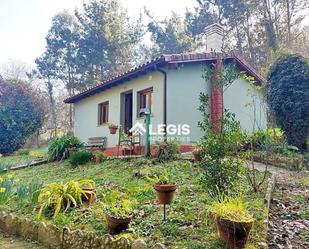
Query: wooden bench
96, 142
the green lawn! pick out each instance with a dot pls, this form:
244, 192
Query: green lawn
188, 225
20, 159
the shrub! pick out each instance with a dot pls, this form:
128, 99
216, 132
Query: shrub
23, 152
118, 205
167, 150
58, 147
287, 97
100, 155
22, 114
164, 177
233, 209
80, 158
59, 197
222, 162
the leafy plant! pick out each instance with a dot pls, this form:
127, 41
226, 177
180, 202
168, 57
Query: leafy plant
80, 158
167, 150
7, 184
117, 204
231, 208
99, 154
59, 197
58, 147
4, 167
29, 193
164, 178
23, 152
223, 161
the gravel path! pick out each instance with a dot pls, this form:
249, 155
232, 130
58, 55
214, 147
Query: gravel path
289, 214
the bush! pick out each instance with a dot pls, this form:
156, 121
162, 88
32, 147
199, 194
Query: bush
166, 150
59, 197
287, 97
23, 152
58, 147
22, 114
222, 162
80, 158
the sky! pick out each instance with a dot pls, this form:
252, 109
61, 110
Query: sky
25, 23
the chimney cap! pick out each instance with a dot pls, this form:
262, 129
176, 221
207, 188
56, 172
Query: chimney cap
214, 27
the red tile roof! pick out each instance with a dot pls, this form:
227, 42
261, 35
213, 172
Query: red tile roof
162, 61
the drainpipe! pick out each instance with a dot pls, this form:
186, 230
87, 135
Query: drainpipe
164, 100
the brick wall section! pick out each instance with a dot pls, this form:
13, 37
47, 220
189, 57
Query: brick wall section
216, 97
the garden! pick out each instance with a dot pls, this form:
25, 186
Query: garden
214, 199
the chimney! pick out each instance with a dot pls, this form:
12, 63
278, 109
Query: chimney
212, 39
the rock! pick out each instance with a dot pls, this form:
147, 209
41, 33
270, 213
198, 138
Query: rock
139, 244
159, 246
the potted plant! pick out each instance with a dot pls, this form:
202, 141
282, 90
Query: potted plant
232, 221
89, 191
98, 156
112, 128
118, 211
164, 186
197, 152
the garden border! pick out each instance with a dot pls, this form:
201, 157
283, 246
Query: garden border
51, 236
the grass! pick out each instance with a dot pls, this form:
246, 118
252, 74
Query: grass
20, 159
188, 225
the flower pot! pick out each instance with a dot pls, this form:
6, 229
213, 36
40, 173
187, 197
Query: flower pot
165, 192
89, 196
117, 225
235, 234
113, 129
96, 159
127, 151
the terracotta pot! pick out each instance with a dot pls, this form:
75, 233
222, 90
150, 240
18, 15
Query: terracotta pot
127, 152
96, 159
165, 192
90, 197
235, 234
113, 129
116, 225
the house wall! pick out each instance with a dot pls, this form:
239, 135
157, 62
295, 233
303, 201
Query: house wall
184, 85
183, 88
86, 110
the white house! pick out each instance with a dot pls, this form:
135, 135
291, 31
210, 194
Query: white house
170, 86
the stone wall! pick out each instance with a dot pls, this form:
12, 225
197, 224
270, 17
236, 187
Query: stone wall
53, 237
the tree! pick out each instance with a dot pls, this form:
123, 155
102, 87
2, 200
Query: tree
21, 114
288, 95
108, 39
171, 36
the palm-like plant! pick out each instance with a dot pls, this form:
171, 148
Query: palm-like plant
60, 197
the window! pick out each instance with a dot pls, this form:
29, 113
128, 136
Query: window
103, 113
144, 99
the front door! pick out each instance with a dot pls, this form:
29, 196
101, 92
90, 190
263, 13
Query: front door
128, 111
